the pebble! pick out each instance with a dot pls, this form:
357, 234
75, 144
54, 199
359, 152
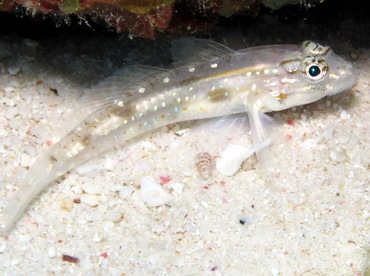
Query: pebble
114, 216
231, 159
31, 43
125, 192
338, 155
2, 66
91, 200
91, 188
9, 89
186, 171
16, 262
176, 187
344, 115
52, 252
3, 246
25, 160
204, 204
14, 70
66, 204
344, 138
11, 113
274, 271
153, 193
181, 132
97, 238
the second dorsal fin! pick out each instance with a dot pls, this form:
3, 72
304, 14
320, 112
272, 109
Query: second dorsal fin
126, 83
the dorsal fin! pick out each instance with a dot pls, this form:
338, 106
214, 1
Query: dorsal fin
124, 85
194, 50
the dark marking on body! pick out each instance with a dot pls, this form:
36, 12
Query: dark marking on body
128, 94
189, 80
126, 112
86, 139
218, 95
54, 90
53, 159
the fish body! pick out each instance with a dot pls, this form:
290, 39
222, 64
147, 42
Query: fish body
207, 80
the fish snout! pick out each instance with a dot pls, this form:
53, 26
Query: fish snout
347, 77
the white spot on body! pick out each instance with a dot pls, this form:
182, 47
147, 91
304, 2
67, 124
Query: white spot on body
266, 71
272, 83
214, 65
254, 87
166, 80
120, 103
274, 71
141, 90
191, 69
288, 80
249, 74
75, 149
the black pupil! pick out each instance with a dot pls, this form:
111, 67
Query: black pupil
314, 71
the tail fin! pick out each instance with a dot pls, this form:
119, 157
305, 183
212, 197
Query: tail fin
37, 179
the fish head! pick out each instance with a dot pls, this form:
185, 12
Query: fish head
309, 75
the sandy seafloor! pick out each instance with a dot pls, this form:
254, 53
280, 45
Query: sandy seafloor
313, 221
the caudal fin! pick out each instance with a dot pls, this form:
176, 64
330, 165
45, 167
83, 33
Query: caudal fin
37, 179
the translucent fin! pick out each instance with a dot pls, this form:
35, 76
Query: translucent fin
232, 38
37, 179
225, 125
194, 50
263, 130
239, 122
124, 85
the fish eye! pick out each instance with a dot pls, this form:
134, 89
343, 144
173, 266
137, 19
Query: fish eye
314, 68
314, 71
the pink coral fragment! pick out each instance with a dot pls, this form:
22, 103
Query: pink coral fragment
164, 179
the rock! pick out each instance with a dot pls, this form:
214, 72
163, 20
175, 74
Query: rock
153, 193
231, 159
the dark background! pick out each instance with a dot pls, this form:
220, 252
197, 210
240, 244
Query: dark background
352, 17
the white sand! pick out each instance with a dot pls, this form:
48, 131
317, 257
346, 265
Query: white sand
316, 222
